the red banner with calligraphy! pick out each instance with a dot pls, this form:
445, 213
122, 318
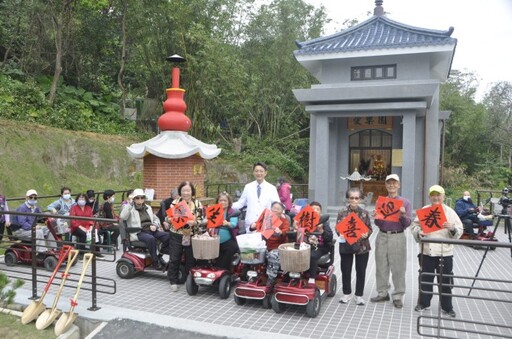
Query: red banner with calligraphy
352, 228
267, 223
388, 209
180, 214
307, 218
214, 216
431, 218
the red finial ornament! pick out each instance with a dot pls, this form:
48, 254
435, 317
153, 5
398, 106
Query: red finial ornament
174, 118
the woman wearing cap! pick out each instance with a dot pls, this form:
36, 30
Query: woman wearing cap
181, 238
138, 215
437, 257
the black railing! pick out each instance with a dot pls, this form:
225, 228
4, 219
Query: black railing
97, 283
490, 290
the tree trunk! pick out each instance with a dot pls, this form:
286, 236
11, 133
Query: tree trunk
122, 62
57, 22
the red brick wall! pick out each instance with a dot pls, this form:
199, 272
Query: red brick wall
163, 175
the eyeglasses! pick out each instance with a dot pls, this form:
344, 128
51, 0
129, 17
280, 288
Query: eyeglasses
353, 198
138, 198
33, 197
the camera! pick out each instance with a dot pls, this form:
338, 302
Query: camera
504, 200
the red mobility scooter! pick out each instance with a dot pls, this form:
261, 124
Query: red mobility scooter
136, 258
21, 253
294, 288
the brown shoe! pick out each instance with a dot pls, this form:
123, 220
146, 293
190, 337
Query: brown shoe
380, 298
398, 303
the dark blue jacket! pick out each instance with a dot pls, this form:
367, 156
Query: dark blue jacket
462, 208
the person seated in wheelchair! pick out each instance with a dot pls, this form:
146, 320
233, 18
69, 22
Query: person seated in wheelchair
277, 238
320, 240
467, 212
138, 215
21, 225
227, 232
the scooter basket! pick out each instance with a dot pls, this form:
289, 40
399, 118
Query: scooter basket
253, 255
293, 260
205, 248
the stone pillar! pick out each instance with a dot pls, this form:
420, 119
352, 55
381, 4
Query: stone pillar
408, 156
163, 175
432, 145
319, 182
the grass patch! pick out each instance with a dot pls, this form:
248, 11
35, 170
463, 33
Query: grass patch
11, 327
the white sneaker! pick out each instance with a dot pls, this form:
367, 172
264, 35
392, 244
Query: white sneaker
174, 288
346, 298
360, 300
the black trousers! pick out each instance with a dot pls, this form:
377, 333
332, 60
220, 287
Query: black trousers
313, 260
149, 238
2, 229
226, 252
113, 237
432, 265
82, 238
346, 272
177, 250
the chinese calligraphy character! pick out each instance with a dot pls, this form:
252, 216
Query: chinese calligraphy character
369, 120
387, 209
431, 219
382, 120
357, 121
350, 232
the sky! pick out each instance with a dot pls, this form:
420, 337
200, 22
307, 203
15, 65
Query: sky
483, 29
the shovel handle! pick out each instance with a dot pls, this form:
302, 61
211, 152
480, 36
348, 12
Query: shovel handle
87, 260
71, 258
64, 253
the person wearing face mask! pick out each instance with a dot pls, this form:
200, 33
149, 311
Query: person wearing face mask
62, 206
467, 212
92, 202
107, 211
80, 228
22, 224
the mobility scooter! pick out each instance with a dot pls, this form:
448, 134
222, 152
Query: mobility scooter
136, 258
294, 288
21, 253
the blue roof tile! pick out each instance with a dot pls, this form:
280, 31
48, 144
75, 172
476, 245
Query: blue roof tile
378, 32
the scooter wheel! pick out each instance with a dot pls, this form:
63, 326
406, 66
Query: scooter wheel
191, 285
333, 285
276, 305
125, 270
50, 263
313, 306
267, 301
10, 259
239, 301
225, 286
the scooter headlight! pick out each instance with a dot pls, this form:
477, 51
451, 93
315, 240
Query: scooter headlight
210, 275
197, 274
252, 274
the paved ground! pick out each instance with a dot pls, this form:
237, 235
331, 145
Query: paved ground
148, 298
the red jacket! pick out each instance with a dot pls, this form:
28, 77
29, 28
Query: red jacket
275, 240
78, 212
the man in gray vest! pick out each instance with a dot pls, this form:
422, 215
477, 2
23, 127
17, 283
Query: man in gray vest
391, 248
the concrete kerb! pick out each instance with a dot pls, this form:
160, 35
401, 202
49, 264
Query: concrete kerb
109, 312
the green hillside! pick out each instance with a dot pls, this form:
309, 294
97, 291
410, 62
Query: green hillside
46, 158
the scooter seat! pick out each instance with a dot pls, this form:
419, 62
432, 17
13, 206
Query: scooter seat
138, 244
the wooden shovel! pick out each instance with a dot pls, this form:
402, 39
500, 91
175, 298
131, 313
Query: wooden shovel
67, 319
37, 307
46, 318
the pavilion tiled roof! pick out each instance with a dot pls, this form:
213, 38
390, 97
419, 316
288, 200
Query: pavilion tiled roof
378, 32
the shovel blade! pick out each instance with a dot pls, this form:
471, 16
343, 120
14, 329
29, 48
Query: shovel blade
64, 323
47, 318
32, 312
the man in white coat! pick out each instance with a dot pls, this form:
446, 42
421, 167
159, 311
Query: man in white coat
257, 195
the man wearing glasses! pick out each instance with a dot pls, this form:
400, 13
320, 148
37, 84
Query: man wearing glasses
22, 224
391, 248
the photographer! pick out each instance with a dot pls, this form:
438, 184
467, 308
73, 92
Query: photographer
504, 201
467, 212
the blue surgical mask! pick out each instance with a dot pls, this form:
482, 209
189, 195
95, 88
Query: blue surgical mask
66, 196
32, 202
81, 203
